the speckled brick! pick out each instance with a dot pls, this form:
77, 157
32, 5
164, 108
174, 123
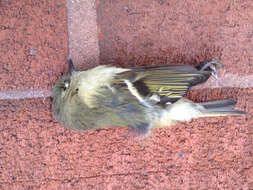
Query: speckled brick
161, 31
36, 151
33, 43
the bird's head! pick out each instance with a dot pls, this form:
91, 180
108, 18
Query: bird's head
61, 89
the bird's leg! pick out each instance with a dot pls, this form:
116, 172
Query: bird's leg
214, 65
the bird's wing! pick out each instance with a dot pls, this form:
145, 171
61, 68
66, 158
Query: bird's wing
170, 82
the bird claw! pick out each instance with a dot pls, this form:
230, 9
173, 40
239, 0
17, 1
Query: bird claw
215, 66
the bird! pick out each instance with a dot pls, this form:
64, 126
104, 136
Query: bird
141, 98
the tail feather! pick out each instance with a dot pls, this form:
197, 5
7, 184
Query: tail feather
220, 108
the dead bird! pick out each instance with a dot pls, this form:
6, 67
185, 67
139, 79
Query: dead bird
141, 98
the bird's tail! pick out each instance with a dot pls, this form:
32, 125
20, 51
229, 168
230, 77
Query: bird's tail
220, 108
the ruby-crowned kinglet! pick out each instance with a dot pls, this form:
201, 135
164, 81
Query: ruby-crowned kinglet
141, 98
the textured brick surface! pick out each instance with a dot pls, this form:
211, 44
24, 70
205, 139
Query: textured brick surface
37, 153
140, 32
33, 45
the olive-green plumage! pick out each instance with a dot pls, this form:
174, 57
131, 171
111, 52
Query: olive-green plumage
141, 98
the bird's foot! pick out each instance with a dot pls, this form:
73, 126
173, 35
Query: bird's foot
214, 65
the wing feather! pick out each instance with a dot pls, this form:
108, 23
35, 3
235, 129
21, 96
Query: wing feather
172, 81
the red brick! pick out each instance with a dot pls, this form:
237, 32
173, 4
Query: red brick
32, 27
143, 33
37, 151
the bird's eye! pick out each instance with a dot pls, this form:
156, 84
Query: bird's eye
65, 86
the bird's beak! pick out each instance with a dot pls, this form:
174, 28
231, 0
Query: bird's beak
71, 68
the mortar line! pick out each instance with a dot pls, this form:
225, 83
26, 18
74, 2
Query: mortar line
24, 94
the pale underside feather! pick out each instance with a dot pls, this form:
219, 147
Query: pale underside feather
181, 111
90, 82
